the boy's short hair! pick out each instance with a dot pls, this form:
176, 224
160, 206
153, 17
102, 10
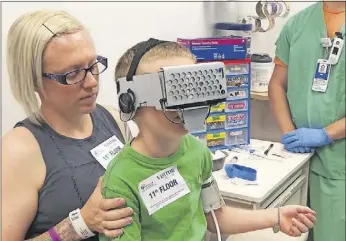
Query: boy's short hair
163, 50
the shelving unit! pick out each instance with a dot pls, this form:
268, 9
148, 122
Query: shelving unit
228, 123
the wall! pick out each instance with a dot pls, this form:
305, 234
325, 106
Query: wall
115, 26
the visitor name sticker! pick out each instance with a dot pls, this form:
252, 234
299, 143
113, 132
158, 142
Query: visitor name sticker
162, 188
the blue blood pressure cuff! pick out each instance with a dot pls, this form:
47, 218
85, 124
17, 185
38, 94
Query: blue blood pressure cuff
239, 171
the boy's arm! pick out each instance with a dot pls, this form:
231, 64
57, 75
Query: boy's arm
114, 187
233, 220
236, 220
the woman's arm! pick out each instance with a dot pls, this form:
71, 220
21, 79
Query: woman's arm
23, 174
64, 230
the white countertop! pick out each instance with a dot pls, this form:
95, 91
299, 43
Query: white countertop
271, 172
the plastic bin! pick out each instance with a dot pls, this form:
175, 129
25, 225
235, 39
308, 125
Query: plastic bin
238, 80
237, 67
236, 105
216, 138
214, 122
219, 108
236, 120
235, 30
237, 93
218, 163
201, 136
236, 137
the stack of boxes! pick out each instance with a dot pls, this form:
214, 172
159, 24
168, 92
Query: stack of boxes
228, 123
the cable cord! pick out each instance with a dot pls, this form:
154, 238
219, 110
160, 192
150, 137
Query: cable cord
130, 118
216, 225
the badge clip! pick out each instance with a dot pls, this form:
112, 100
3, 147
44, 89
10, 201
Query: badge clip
335, 53
326, 42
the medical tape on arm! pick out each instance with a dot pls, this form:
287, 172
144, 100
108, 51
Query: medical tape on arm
263, 13
262, 9
286, 7
278, 8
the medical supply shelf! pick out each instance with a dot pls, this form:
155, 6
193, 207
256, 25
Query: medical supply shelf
228, 123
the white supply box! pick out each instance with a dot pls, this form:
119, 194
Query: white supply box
261, 71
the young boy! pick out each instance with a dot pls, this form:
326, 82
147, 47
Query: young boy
164, 155
162, 150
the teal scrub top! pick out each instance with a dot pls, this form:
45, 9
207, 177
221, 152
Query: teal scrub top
299, 47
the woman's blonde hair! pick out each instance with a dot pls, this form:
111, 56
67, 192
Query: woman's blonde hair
27, 40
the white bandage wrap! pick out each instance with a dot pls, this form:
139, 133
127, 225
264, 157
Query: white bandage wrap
79, 225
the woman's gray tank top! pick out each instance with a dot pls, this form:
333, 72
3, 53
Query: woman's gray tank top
72, 172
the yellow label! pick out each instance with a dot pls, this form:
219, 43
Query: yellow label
219, 118
218, 108
214, 136
235, 68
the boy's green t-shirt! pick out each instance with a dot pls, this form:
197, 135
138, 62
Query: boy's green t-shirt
163, 192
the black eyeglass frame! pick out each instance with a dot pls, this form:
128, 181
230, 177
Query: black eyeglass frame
61, 78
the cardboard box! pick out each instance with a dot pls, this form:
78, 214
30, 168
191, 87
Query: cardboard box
216, 49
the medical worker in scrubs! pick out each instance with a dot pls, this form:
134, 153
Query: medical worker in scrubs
307, 96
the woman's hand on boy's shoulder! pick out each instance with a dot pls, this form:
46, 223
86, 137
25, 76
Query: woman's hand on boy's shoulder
105, 215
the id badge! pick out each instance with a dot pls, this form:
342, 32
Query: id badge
162, 189
320, 82
107, 150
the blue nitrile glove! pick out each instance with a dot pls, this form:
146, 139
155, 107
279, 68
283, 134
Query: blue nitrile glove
301, 149
306, 137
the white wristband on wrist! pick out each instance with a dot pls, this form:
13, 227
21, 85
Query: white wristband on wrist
79, 225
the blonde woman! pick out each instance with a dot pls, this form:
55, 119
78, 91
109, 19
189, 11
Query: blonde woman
51, 161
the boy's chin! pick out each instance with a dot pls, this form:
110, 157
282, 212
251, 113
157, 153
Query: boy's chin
180, 130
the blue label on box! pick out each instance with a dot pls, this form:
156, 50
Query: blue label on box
216, 49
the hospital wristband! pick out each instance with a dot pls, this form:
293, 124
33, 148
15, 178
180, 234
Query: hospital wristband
79, 225
53, 235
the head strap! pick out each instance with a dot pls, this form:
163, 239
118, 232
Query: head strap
140, 51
